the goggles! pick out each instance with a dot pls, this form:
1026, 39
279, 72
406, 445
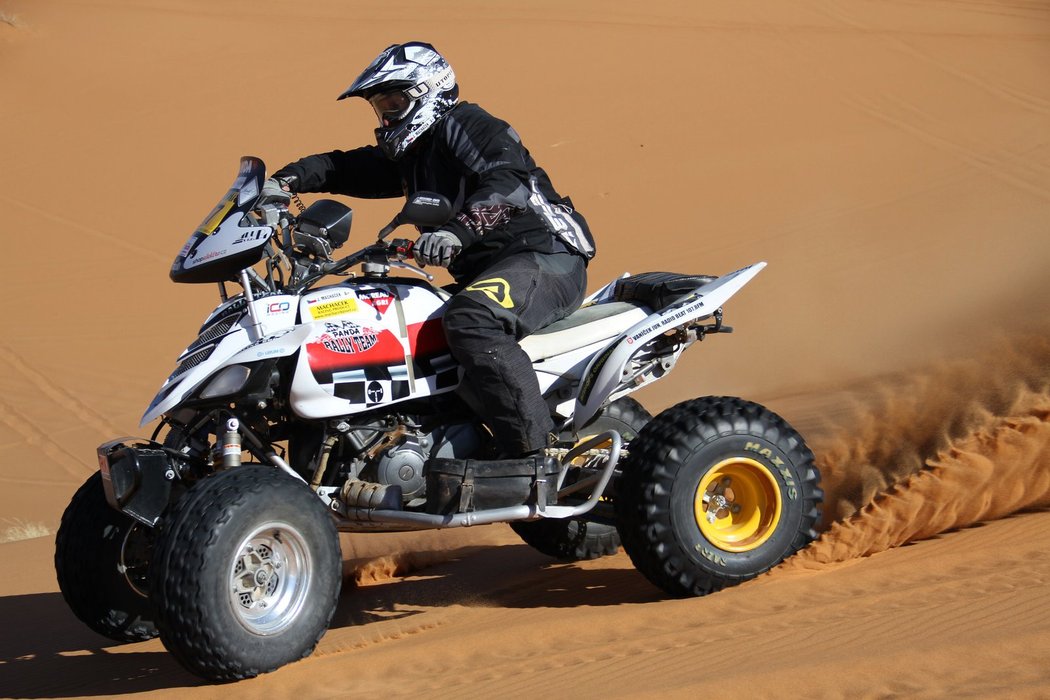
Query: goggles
390, 107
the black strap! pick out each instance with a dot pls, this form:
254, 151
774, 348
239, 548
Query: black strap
466, 489
540, 485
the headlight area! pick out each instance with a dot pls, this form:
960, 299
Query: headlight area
228, 381
252, 382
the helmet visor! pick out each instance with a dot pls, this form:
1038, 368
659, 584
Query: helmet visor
391, 107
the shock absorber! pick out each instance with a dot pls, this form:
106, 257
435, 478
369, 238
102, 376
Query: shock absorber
231, 444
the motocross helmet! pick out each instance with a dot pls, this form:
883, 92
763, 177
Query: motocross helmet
410, 86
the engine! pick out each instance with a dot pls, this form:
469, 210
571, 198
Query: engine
402, 464
401, 459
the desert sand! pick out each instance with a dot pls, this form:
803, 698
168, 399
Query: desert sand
890, 160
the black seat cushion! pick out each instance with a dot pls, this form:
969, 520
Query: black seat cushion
658, 289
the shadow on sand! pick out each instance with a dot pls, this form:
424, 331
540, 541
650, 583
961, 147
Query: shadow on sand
45, 652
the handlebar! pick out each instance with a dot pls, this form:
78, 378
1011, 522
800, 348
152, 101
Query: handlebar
379, 256
394, 252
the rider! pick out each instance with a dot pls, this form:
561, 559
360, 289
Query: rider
517, 250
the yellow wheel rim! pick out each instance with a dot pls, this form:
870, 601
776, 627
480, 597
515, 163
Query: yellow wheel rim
738, 504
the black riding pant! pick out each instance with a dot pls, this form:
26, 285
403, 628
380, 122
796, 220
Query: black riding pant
484, 322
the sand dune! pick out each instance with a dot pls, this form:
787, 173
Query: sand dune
889, 160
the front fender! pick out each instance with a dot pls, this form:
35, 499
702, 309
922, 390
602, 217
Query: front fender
179, 386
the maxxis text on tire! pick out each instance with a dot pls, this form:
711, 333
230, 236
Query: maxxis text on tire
100, 554
573, 540
717, 490
247, 572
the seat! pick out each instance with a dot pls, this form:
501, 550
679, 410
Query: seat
657, 290
585, 326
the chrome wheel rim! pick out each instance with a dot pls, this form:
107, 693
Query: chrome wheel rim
270, 578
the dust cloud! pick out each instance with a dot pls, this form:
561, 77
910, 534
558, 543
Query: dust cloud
936, 449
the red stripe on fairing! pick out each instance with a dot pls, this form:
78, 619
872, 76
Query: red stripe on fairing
387, 352
427, 339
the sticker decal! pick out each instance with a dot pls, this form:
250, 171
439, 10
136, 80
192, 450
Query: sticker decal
378, 300
374, 392
256, 234
347, 337
278, 307
333, 308
497, 289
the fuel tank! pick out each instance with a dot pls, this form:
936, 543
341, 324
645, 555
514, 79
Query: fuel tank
371, 343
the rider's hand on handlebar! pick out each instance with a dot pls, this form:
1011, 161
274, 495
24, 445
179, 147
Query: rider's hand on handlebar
437, 248
275, 191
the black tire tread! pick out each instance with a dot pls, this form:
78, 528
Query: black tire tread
643, 494
197, 520
568, 540
116, 613
576, 540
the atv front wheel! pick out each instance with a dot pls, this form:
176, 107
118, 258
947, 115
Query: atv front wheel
246, 574
102, 562
573, 540
716, 491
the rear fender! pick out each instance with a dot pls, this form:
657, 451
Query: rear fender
606, 372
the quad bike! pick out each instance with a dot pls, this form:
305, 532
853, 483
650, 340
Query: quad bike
302, 410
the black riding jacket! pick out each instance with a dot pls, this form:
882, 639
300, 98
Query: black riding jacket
505, 203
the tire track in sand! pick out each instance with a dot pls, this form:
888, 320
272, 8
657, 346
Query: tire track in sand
71, 405
1008, 166
36, 437
1017, 96
1000, 164
108, 238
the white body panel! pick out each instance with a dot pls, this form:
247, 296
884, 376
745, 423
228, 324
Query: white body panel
605, 381
239, 344
368, 343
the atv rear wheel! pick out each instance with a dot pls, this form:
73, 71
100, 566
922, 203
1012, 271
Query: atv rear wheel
716, 491
102, 561
573, 540
246, 574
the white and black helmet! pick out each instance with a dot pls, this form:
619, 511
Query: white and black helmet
410, 86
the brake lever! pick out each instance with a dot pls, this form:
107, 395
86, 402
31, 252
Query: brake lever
412, 268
